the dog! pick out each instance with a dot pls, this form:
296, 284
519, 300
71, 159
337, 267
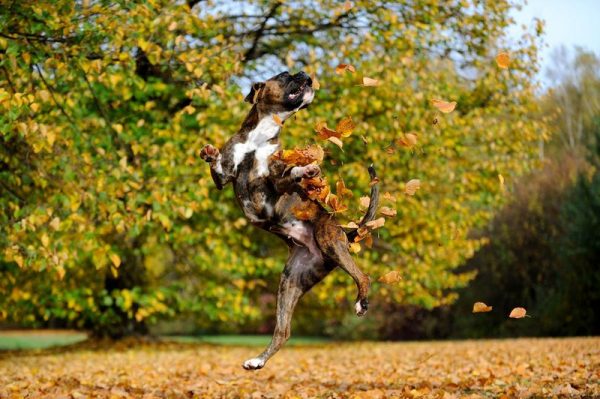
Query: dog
268, 191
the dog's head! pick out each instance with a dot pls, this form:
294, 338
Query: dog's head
282, 94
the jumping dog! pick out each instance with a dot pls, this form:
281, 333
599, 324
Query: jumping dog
268, 192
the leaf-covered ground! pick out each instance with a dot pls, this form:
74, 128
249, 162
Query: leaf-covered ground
532, 368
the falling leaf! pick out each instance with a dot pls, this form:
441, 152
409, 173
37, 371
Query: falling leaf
387, 211
335, 203
368, 82
277, 120
340, 69
115, 259
374, 181
350, 225
364, 202
444, 106
305, 210
517, 313
390, 277
324, 132
480, 307
316, 188
342, 191
345, 127
503, 60
501, 180
388, 196
303, 156
375, 224
390, 150
412, 186
355, 247
364, 140
315, 82
409, 140
336, 141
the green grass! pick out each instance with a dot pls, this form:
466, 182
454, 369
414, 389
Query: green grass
39, 341
14, 340
244, 340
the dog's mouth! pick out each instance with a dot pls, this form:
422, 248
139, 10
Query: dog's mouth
294, 94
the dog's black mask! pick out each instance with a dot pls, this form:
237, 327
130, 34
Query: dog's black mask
282, 92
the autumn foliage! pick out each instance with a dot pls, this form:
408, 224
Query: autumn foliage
108, 219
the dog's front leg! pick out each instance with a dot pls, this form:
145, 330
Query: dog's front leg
302, 271
213, 157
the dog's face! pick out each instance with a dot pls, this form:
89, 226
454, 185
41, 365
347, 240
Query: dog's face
283, 93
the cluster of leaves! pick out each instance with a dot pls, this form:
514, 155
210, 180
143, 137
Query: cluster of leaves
105, 107
525, 368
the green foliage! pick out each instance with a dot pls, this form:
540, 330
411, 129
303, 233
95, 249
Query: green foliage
109, 220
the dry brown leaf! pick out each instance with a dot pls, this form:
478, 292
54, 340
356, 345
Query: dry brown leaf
503, 60
390, 277
335, 203
316, 188
375, 224
480, 307
324, 132
303, 156
336, 141
350, 225
412, 186
341, 190
388, 196
355, 247
340, 69
444, 106
387, 211
305, 210
345, 127
374, 181
364, 202
517, 313
368, 241
368, 82
390, 150
277, 120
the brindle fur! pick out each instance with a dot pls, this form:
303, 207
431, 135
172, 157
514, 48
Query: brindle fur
317, 245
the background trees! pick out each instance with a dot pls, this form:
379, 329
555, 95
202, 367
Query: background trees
109, 219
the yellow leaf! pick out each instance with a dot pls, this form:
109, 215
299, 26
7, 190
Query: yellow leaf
115, 259
45, 240
350, 225
345, 127
55, 223
61, 272
336, 141
503, 60
368, 82
315, 82
444, 106
355, 247
19, 260
388, 196
390, 277
412, 186
117, 127
501, 180
277, 120
172, 26
518, 313
409, 140
480, 307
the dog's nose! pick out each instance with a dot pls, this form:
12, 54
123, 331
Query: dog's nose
302, 76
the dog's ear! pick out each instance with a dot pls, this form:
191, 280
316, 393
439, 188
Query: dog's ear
254, 92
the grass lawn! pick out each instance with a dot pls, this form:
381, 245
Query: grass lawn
42, 339
511, 368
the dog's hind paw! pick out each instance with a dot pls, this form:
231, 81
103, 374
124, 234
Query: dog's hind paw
254, 364
361, 307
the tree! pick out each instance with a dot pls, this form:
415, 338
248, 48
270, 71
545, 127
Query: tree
112, 221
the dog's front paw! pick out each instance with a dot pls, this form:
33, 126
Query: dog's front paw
254, 364
361, 307
209, 153
311, 171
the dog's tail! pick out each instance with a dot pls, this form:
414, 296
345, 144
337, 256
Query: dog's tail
372, 209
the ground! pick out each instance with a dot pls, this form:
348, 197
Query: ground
535, 368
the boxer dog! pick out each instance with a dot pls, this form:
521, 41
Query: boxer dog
268, 191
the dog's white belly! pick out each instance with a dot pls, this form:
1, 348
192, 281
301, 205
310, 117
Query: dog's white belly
258, 142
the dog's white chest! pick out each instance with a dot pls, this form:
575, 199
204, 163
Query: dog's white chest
258, 142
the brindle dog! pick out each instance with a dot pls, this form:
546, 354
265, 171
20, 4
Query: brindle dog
268, 191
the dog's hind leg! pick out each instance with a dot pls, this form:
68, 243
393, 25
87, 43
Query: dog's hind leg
332, 240
302, 271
